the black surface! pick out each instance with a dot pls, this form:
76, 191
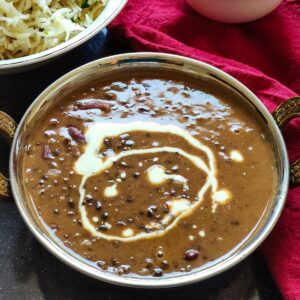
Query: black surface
28, 271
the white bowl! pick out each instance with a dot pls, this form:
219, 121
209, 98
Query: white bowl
234, 11
15, 65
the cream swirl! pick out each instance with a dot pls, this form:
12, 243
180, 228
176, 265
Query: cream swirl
90, 164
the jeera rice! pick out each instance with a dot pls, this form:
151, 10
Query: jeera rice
32, 26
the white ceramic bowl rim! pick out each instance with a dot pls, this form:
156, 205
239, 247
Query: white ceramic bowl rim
110, 11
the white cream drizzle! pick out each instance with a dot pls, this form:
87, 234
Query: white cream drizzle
156, 175
222, 197
236, 156
111, 191
95, 219
89, 164
202, 233
127, 232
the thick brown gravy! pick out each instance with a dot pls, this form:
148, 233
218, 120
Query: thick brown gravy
149, 174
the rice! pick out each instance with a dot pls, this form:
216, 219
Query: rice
32, 26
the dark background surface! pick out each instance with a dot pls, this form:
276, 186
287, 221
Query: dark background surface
28, 271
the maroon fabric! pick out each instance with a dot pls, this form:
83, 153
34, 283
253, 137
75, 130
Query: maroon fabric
265, 56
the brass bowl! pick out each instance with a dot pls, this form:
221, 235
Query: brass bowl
100, 68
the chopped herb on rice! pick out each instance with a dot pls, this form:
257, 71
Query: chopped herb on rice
32, 26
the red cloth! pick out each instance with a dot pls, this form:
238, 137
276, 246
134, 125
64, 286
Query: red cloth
265, 56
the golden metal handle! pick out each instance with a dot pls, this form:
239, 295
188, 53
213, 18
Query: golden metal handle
295, 173
7, 129
285, 112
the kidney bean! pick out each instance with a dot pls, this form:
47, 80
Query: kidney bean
47, 152
102, 227
125, 268
98, 205
151, 210
136, 174
102, 264
121, 223
191, 255
149, 263
157, 272
94, 104
164, 264
105, 215
54, 227
76, 134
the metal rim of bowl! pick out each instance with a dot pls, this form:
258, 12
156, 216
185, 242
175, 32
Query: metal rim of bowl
77, 40
186, 278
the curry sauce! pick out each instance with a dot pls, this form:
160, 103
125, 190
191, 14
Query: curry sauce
149, 174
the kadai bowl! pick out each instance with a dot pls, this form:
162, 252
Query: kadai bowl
149, 170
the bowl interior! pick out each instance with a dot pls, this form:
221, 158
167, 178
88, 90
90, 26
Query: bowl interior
104, 67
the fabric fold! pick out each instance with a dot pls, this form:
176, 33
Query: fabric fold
265, 56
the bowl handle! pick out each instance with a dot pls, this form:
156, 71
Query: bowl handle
7, 130
284, 113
